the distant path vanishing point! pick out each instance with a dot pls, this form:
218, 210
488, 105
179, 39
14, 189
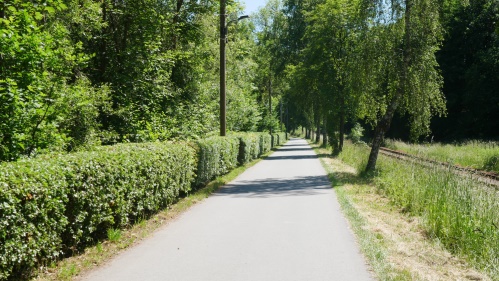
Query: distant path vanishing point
278, 221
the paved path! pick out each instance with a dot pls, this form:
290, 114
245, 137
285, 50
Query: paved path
278, 221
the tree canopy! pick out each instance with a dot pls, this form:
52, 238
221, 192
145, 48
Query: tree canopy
80, 73
377, 61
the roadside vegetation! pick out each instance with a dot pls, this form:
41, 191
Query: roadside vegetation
403, 69
99, 97
435, 241
481, 155
455, 211
54, 206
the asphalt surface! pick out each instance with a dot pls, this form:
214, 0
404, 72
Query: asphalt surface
279, 220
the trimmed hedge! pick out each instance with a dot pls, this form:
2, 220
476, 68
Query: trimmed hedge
51, 207
55, 205
216, 156
278, 139
249, 147
265, 143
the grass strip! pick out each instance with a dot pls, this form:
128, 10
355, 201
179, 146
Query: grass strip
370, 244
457, 211
454, 217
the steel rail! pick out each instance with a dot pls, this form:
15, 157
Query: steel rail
490, 178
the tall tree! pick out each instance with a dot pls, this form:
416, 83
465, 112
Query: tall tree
271, 25
410, 82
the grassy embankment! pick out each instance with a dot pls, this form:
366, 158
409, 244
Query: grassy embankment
474, 154
409, 219
459, 213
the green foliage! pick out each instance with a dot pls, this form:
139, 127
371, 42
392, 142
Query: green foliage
113, 235
56, 204
269, 55
357, 133
78, 72
278, 139
469, 60
265, 143
78, 108
249, 147
37, 61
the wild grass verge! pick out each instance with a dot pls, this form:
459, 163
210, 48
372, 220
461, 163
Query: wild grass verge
370, 244
474, 154
457, 211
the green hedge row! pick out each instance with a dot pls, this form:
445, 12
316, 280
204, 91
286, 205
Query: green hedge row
55, 205
278, 139
217, 156
50, 207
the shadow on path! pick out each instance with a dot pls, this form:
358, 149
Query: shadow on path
272, 187
295, 157
284, 148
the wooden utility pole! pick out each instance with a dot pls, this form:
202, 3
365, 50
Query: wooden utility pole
270, 104
223, 38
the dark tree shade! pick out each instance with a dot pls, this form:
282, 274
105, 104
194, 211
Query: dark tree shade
469, 60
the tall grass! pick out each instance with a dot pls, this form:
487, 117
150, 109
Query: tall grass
474, 154
461, 213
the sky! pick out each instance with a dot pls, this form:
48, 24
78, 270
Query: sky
253, 5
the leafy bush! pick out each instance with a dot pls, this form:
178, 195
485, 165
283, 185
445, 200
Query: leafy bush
54, 205
216, 156
357, 133
79, 108
249, 147
265, 143
278, 139
283, 137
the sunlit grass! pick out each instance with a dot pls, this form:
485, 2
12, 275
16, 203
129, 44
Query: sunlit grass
461, 213
474, 154
370, 243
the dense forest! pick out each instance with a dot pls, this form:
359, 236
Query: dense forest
76, 73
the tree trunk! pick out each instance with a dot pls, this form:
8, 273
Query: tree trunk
103, 46
176, 21
379, 133
342, 130
2, 11
324, 132
318, 134
270, 105
280, 115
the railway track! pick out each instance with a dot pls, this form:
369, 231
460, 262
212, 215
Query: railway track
489, 178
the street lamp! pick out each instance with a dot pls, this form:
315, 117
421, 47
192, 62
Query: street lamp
223, 41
